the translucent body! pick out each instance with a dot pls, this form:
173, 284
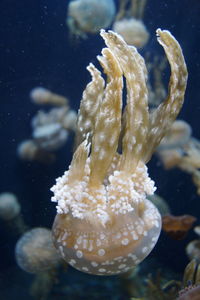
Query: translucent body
105, 224
90, 16
9, 206
111, 249
35, 251
133, 31
50, 137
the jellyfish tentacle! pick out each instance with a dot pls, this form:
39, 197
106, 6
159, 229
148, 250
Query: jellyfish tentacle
77, 168
137, 116
90, 102
108, 123
167, 111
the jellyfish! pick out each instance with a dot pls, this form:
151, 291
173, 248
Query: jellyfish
50, 129
89, 16
28, 150
193, 248
9, 206
40, 95
35, 251
50, 137
178, 135
128, 23
180, 149
10, 212
133, 31
156, 87
197, 230
105, 225
177, 227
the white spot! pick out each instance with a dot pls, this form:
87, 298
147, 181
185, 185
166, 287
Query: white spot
102, 270
122, 266
85, 269
101, 252
72, 262
102, 236
125, 241
94, 264
144, 249
79, 254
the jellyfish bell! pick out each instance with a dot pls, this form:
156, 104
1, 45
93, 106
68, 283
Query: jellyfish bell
177, 227
9, 206
89, 16
193, 250
133, 31
111, 246
35, 251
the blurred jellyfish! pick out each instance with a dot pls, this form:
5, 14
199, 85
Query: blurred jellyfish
193, 250
50, 129
177, 227
28, 150
133, 31
178, 135
40, 95
89, 16
156, 88
10, 209
9, 206
179, 149
35, 251
197, 230
69, 120
170, 157
50, 137
129, 24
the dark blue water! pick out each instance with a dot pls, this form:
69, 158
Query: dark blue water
35, 51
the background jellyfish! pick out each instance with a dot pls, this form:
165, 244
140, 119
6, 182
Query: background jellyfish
35, 251
89, 16
129, 24
9, 206
10, 212
180, 149
193, 247
50, 129
177, 227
